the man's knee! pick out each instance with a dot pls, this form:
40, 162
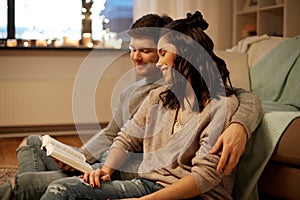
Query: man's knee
32, 140
31, 143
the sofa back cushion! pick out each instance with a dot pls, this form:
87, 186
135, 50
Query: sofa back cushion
259, 49
238, 67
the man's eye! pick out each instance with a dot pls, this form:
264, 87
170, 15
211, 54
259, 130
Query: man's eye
145, 50
131, 48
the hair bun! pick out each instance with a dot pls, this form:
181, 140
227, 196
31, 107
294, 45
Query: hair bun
196, 20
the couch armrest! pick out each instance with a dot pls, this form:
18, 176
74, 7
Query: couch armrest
287, 149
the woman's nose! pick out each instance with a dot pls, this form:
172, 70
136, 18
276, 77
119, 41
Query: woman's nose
159, 63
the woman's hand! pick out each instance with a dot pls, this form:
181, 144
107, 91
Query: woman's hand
96, 177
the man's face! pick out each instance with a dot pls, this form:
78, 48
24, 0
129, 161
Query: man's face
144, 56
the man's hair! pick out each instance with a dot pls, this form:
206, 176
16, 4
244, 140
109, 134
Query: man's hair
146, 26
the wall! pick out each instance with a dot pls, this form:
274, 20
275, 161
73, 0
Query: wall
218, 13
39, 87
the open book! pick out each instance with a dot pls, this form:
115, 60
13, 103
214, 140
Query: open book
65, 154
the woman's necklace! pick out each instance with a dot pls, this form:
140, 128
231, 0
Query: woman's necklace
177, 125
182, 117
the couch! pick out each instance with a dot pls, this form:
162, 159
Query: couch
270, 166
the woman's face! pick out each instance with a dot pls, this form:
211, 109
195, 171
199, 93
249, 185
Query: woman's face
167, 55
144, 56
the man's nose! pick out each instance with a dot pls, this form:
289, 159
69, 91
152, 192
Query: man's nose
136, 55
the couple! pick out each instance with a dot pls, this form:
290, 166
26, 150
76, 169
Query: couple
177, 128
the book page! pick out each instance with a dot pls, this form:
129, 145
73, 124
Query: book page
67, 158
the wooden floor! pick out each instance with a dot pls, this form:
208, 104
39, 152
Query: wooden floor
8, 148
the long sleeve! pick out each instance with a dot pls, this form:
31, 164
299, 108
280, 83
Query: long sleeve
102, 140
249, 112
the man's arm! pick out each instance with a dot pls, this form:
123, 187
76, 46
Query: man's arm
250, 111
244, 122
94, 148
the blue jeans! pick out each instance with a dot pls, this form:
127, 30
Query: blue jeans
35, 170
32, 159
74, 188
32, 185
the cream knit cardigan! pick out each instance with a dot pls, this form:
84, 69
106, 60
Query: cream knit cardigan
169, 156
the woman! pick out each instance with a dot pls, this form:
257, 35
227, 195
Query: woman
175, 128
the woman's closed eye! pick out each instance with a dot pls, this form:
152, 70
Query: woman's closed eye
162, 52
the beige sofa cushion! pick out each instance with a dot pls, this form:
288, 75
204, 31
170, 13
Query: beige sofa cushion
238, 67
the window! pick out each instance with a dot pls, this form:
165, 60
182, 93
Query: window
80, 23
3, 18
43, 19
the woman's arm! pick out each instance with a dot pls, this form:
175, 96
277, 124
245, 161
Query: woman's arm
184, 188
126, 141
114, 160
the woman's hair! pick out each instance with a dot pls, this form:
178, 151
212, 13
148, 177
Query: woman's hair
148, 26
195, 61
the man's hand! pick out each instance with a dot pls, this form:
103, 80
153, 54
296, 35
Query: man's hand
233, 140
64, 166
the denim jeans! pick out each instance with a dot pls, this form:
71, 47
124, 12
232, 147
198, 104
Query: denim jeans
72, 188
32, 159
32, 185
36, 170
